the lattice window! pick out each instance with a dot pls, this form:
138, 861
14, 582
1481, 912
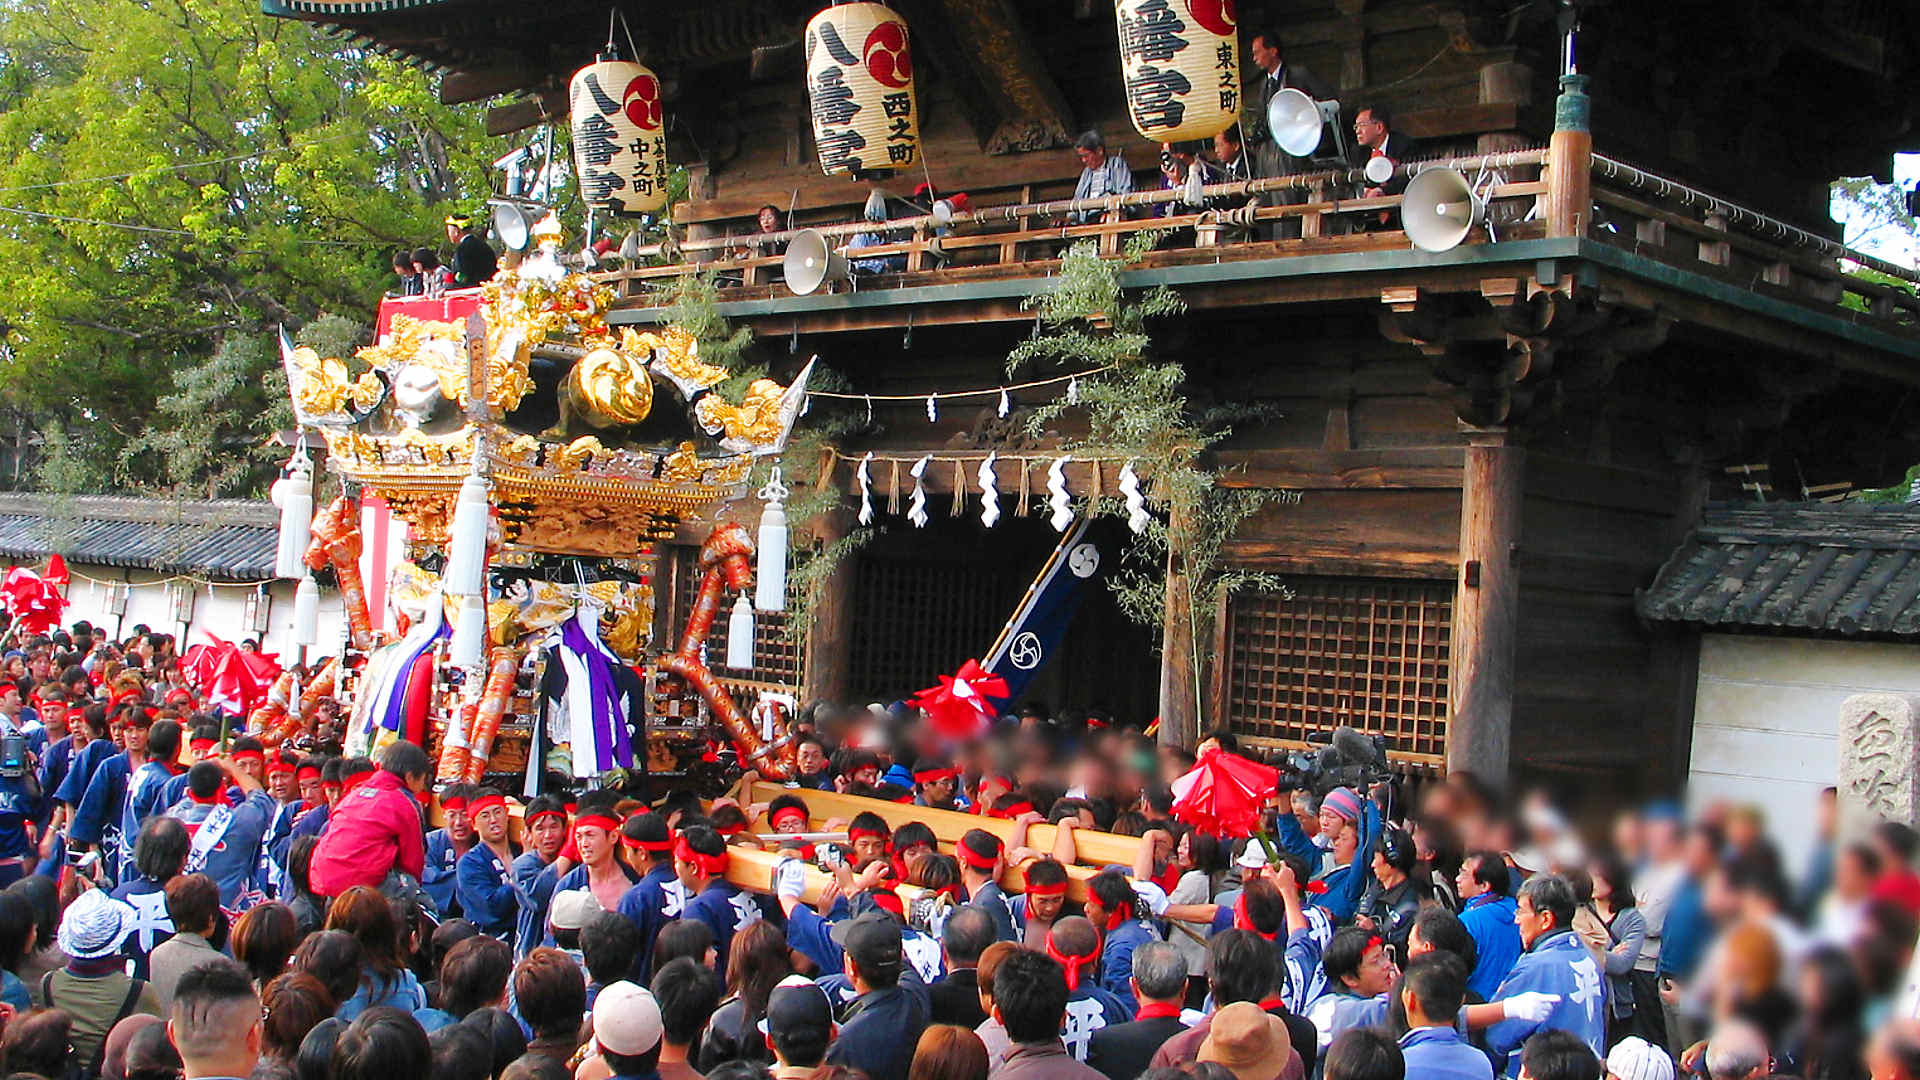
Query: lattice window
918, 620
777, 662
1367, 653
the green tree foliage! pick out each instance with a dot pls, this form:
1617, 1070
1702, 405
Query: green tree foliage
182, 177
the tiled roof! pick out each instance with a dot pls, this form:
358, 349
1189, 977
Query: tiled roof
1844, 568
228, 539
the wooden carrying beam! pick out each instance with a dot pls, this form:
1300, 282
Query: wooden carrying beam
1095, 849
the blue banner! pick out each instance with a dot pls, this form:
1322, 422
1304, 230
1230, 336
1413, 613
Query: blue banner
1030, 637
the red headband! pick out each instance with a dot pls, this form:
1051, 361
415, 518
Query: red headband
734, 829
545, 813
348, 783
1243, 921
278, 767
974, 858
250, 755
598, 820
1013, 811
307, 772
888, 900
653, 846
710, 865
1073, 964
454, 802
934, 776
200, 744
486, 802
786, 813
1058, 888
854, 835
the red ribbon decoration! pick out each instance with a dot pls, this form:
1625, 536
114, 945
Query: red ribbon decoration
958, 706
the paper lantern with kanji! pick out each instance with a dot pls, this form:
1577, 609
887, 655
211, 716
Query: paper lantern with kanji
619, 137
1181, 63
860, 86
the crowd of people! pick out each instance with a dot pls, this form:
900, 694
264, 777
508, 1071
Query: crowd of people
181, 901
472, 262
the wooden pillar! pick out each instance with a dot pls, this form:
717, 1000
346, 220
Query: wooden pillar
1180, 717
830, 637
1570, 161
1486, 607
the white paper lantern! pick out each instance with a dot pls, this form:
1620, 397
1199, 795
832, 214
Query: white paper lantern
1181, 63
619, 137
860, 85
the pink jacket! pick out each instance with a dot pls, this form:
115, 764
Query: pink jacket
375, 828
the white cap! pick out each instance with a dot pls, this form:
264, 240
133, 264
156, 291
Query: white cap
1252, 857
572, 909
1634, 1058
626, 1019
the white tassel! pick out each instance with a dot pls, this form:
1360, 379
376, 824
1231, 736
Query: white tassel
1137, 517
989, 491
933, 410
466, 571
1005, 405
866, 488
293, 494
917, 502
1073, 391
740, 635
306, 613
469, 644
1057, 498
770, 577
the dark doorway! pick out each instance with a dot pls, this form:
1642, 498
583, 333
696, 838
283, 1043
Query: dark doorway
926, 600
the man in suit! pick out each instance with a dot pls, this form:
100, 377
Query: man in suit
1123, 1051
1274, 74
1373, 136
956, 998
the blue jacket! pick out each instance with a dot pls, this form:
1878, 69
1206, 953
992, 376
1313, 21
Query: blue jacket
484, 887
18, 806
533, 882
55, 763
657, 900
878, 1032
1347, 884
437, 876
727, 910
73, 786
1090, 1007
1489, 918
812, 937
1440, 1053
1684, 936
233, 861
993, 900
402, 992
1116, 964
1557, 963
151, 923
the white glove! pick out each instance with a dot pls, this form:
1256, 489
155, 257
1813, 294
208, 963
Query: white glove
1530, 1006
1152, 895
790, 878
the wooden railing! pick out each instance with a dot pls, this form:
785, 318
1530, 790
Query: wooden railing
1021, 233
1681, 225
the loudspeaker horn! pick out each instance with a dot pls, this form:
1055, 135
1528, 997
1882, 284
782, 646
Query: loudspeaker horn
1294, 119
810, 263
1379, 169
1439, 209
513, 225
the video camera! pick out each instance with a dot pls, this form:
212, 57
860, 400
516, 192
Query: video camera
14, 762
1350, 759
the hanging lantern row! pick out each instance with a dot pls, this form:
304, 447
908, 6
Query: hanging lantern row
619, 136
1180, 60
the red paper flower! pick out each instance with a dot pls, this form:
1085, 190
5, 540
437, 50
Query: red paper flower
1224, 794
33, 601
960, 706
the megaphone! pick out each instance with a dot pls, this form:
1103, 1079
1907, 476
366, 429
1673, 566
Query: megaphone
1379, 169
1295, 121
1440, 209
810, 263
513, 225
945, 210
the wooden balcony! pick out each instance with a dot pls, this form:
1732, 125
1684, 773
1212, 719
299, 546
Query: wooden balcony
1657, 242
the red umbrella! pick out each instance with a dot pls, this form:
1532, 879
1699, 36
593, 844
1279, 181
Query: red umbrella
33, 601
959, 706
1224, 794
228, 676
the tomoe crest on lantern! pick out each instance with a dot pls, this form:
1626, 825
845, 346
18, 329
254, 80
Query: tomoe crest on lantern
619, 136
1180, 60
860, 88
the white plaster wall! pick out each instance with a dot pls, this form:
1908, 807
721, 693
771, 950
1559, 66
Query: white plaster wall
1766, 722
220, 612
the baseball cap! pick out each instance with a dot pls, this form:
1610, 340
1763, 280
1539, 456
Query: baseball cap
1634, 1058
572, 909
1252, 857
797, 1006
872, 938
626, 1019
